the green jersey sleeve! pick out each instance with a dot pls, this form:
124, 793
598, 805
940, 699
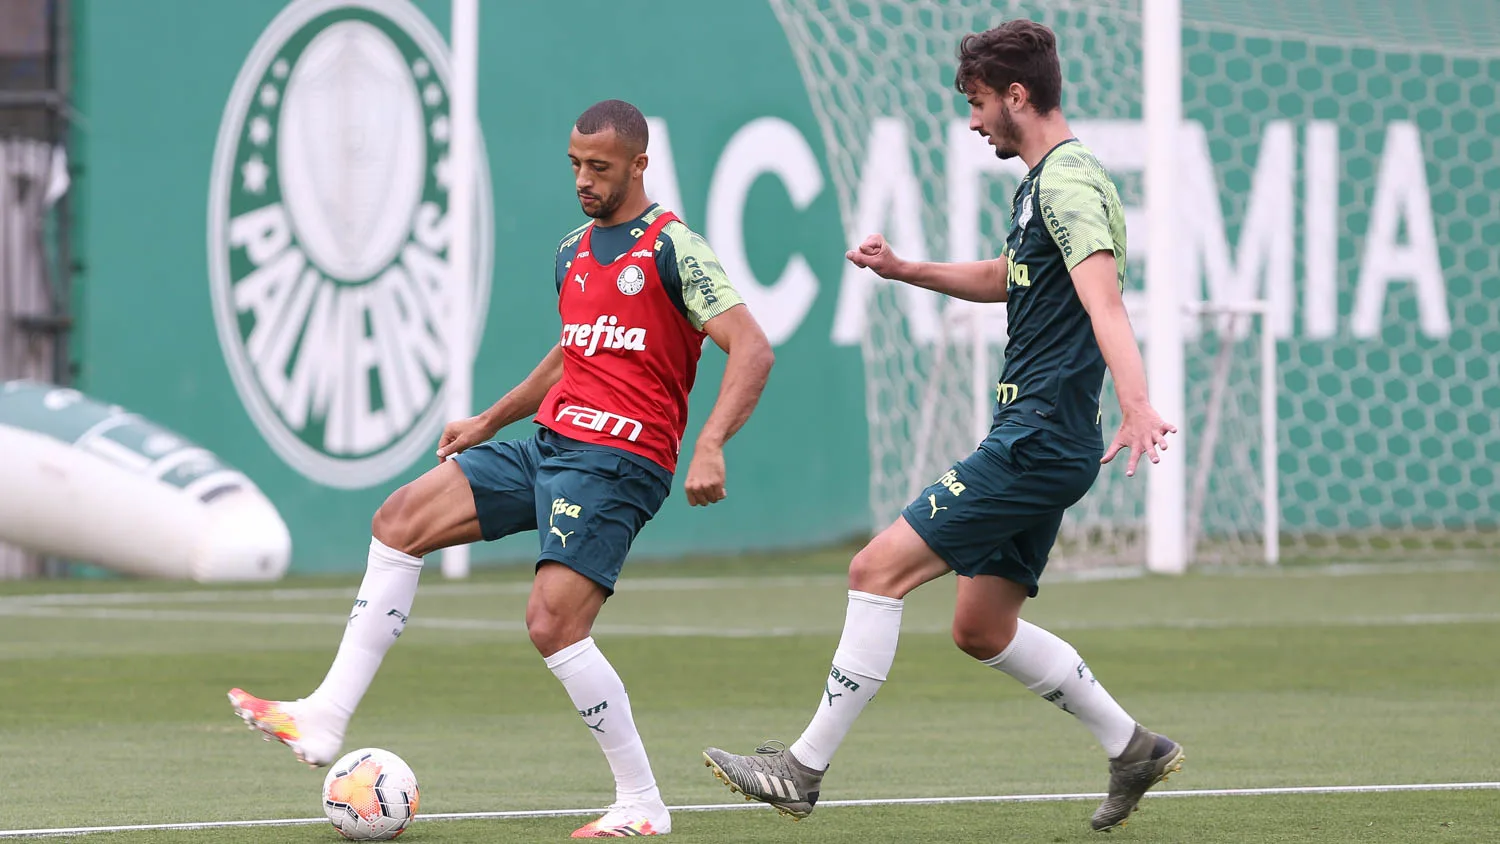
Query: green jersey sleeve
1080, 207
706, 291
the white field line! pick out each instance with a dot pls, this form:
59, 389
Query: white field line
517, 625
725, 807
212, 596
704, 584
1356, 568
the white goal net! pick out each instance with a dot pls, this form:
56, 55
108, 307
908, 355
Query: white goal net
1338, 173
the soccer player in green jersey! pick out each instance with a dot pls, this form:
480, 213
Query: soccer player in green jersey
993, 517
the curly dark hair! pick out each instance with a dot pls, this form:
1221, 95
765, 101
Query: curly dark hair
1020, 51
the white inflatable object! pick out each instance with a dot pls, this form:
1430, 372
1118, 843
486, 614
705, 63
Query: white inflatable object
85, 480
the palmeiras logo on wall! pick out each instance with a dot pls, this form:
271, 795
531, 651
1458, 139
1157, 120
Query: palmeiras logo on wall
328, 237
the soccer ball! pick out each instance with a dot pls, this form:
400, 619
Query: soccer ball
370, 795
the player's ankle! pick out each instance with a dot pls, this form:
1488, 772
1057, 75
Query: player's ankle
647, 798
321, 721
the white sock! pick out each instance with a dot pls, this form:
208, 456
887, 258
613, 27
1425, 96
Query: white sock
866, 650
1052, 668
599, 696
379, 615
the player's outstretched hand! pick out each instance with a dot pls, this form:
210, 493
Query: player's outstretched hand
1142, 432
463, 434
876, 255
705, 477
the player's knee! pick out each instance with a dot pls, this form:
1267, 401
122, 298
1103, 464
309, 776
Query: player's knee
395, 523
873, 572
551, 631
544, 632
977, 641
982, 637
865, 571
880, 568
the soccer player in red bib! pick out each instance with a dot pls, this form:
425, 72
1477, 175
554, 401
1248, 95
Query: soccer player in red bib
637, 292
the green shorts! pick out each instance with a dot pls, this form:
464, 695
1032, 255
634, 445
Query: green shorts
586, 504
998, 510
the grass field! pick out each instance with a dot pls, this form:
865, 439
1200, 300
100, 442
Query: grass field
112, 707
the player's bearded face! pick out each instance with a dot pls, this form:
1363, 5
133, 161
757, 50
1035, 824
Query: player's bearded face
599, 202
1005, 133
990, 116
601, 192
603, 168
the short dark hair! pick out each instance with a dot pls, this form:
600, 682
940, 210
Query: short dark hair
1015, 51
627, 121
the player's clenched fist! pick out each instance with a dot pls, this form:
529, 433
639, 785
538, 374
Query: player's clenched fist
875, 255
463, 434
705, 478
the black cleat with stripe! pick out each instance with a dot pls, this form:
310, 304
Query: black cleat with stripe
771, 776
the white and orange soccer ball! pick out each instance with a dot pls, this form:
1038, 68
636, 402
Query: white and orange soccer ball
370, 795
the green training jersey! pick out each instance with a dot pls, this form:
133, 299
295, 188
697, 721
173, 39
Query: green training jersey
689, 269
1065, 210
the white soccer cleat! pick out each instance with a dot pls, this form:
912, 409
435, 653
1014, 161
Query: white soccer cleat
628, 820
313, 733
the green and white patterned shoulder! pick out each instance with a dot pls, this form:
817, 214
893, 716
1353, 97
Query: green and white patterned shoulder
1079, 205
706, 289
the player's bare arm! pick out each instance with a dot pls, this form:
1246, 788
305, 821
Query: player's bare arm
1142, 430
745, 374
975, 281
516, 405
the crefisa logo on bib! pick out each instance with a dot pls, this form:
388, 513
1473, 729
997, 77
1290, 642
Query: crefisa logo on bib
328, 237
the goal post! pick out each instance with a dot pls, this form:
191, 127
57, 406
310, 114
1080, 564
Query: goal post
459, 386
1161, 106
1177, 494
902, 159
